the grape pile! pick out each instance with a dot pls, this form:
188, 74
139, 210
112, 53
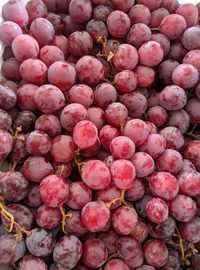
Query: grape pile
100, 135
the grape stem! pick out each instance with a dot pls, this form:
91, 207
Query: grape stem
64, 216
121, 126
112, 256
61, 169
191, 134
155, 29
119, 199
76, 161
12, 166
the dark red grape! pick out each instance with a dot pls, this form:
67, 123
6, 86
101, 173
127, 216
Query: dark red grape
36, 9
190, 230
163, 230
74, 225
128, 247
30, 262
47, 217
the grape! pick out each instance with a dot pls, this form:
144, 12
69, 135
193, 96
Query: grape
128, 247
126, 81
170, 5
125, 57
151, 127
74, 224
48, 218
101, 12
163, 40
110, 239
92, 150
13, 186
8, 98
118, 23
123, 173
10, 84
157, 210
189, 12
163, 230
113, 44
122, 147
164, 185
42, 30
61, 42
89, 70
189, 183
179, 119
151, 250
139, 14
139, 33
21, 214
173, 137
145, 267
10, 249
95, 253
141, 230
155, 145
33, 196
195, 261
62, 74
37, 143
50, 54
49, 99
170, 161
57, 22
79, 195
25, 120
197, 91
49, 124
107, 134
108, 194
116, 114
124, 220
96, 116
150, 54
40, 243
5, 120
36, 9
95, 174
9, 31
157, 16
146, 76
137, 131
190, 38
116, 264
192, 57
25, 96
62, 169
25, 47
192, 107
177, 51
173, 26
183, 208
80, 10
191, 152
14, 11
157, 115
190, 230
18, 153
33, 71
30, 262
151, 5
136, 191
172, 98
71, 115
80, 43
82, 94
54, 190
187, 166
135, 261
97, 29
57, 5
36, 168
70, 25
85, 134
143, 163
166, 69
10, 69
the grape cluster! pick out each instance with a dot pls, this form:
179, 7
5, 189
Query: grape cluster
100, 135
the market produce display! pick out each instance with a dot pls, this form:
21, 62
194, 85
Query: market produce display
100, 135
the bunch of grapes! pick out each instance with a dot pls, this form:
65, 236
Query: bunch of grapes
100, 135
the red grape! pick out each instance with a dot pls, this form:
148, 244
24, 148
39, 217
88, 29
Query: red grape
95, 216
151, 5
8, 98
124, 220
136, 191
139, 14
54, 190
9, 31
110, 239
95, 174
192, 153
49, 99
141, 230
128, 247
143, 163
170, 5
57, 22
80, 43
25, 96
118, 23
6, 144
122, 147
189, 183
135, 261
157, 115
101, 12
50, 54
104, 94
97, 29
126, 81
177, 51
139, 34
80, 10
96, 116
163, 40
164, 185
61, 42
107, 134
146, 76
157, 210
192, 107
82, 94
179, 119
49, 124
47, 217
190, 230
36, 9
116, 264
166, 69
173, 137
189, 12
192, 57
5, 120
157, 15
163, 230
74, 225
33, 196
116, 114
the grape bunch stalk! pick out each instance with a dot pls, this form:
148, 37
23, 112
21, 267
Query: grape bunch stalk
100, 135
